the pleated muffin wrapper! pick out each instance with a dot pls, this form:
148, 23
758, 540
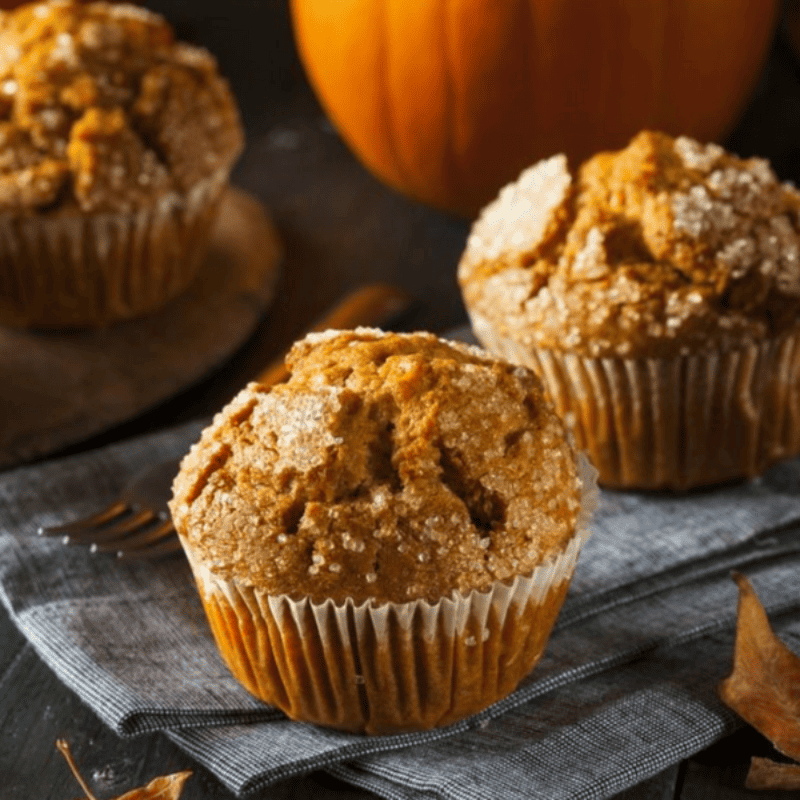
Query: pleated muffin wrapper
390, 667
76, 270
672, 423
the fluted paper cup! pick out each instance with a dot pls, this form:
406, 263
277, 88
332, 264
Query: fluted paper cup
91, 270
672, 423
391, 667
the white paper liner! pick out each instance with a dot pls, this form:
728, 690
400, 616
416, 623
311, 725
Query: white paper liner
395, 666
672, 423
90, 270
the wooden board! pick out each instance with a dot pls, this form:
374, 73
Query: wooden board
59, 388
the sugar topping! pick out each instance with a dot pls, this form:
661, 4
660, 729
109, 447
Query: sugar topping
698, 156
98, 98
666, 246
524, 212
389, 466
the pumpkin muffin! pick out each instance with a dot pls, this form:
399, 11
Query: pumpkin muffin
656, 293
383, 542
117, 142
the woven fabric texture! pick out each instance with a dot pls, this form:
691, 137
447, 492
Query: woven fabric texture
625, 689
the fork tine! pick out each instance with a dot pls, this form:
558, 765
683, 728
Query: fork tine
113, 531
166, 547
72, 529
135, 539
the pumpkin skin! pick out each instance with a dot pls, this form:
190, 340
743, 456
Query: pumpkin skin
448, 100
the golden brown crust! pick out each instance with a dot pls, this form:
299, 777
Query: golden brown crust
389, 467
101, 110
665, 248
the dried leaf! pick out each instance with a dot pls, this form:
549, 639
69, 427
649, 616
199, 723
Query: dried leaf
767, 774
764, 687
167, 787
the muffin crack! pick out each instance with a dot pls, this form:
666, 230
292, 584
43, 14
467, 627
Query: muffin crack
381, 466
486, 509
388, 466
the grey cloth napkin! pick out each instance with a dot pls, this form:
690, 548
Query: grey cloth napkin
626, 686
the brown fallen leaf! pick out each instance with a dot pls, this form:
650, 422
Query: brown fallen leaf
167, 787
767, 774
764, 686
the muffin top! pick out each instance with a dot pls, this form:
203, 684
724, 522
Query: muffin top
101, 110
389, 467
667, 247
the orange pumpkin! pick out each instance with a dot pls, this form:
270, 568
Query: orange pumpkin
447, 100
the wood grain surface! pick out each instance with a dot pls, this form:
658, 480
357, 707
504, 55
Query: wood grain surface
59, 388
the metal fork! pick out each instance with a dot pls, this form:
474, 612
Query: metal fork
137, 524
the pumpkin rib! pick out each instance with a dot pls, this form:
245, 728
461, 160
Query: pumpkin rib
533, 54
612, 72
452, 164
662, 28
603, 99
399, 167
655, 78
458, 159
671, 30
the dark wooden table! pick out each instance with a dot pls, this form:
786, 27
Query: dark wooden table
341, 228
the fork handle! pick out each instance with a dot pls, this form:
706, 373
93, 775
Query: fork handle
371, 305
